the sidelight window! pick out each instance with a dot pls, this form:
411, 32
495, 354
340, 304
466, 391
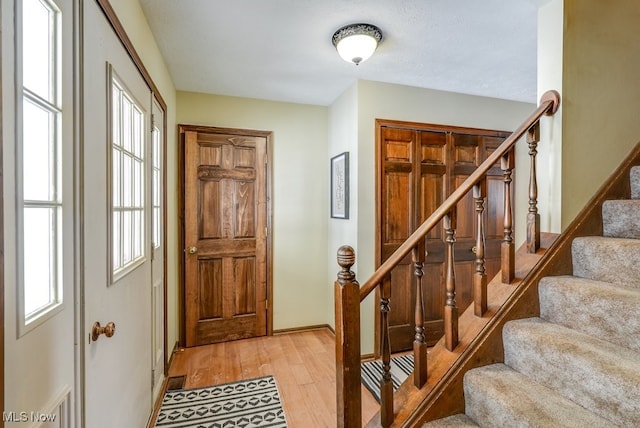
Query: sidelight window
38, 160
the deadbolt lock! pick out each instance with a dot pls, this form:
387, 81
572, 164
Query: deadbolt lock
193, 250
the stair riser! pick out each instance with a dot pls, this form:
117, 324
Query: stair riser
599, 376
607, 259
621, 219
635, 182
594, 308
496, 396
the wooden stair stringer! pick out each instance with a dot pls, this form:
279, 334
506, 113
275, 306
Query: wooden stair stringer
443, 394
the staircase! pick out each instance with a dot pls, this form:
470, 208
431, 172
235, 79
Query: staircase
578, 363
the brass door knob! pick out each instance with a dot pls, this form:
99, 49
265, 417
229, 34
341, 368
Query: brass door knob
193, 250
474, 249
108, 330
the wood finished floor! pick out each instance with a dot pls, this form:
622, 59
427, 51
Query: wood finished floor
303, 364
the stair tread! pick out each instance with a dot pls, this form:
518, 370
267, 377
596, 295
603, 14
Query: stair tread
456, 421
497, 395
608, 259
592, 372
599, 309
621, 218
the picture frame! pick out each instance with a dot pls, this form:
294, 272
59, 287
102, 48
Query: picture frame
340, 186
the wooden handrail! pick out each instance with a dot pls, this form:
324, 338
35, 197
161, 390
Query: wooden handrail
549, 103
348, 292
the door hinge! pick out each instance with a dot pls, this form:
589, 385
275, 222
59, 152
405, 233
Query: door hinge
266, 231
266, 304
153, 122
266, 160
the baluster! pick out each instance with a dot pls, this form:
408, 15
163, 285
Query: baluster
508, 266
451, 307
347, 312
480, 276
419, 344
386, 384
533, 218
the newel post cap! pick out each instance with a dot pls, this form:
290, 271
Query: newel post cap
346, 259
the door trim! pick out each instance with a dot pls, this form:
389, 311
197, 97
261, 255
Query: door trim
268, 135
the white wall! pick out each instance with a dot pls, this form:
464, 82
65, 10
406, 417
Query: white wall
343, 137
550, 36
300, 202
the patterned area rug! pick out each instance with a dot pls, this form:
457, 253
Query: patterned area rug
246, 404
401, 368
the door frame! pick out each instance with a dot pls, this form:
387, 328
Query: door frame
268, 135
121, 34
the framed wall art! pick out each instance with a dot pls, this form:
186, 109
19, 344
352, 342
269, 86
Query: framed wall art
340, 186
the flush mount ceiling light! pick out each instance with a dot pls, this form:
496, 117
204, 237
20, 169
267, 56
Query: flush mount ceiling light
357, 42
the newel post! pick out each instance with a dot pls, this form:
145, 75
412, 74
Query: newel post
347, 312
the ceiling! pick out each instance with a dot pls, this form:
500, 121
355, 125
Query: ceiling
281, 49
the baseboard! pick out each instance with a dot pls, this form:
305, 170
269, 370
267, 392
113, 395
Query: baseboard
304, 328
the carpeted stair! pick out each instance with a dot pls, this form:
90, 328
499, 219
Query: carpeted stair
578, 364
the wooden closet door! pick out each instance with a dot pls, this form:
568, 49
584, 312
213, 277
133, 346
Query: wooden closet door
418, 169
397, 205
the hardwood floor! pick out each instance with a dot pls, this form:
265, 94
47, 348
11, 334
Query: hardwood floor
303, 364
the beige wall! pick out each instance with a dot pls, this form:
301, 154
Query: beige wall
601, 96
300, 203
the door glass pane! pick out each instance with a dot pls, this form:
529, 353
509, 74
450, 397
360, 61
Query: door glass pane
38, 152
128, 169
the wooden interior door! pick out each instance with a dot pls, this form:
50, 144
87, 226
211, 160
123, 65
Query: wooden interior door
225, 232
418, 167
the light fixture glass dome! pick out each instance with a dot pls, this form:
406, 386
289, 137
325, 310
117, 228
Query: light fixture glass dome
357, 42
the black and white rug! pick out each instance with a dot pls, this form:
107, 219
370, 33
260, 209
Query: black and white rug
245, 404
401, 368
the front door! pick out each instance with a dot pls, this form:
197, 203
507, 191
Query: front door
117, 231
226, 234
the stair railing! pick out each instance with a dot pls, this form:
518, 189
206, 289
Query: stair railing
349, 294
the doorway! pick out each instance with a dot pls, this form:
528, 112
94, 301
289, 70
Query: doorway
226, 234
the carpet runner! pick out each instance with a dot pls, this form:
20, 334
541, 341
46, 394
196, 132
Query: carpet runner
247, 404
401, 368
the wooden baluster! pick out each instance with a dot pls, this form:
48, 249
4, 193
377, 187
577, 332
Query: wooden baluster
480, 276
533, 218
508, 266
386, 384
451, 307
347, 312
419, 344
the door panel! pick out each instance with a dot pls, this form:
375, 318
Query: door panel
418, 168
225, 234
118, 370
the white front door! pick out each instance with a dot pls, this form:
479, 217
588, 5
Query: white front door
117, 231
